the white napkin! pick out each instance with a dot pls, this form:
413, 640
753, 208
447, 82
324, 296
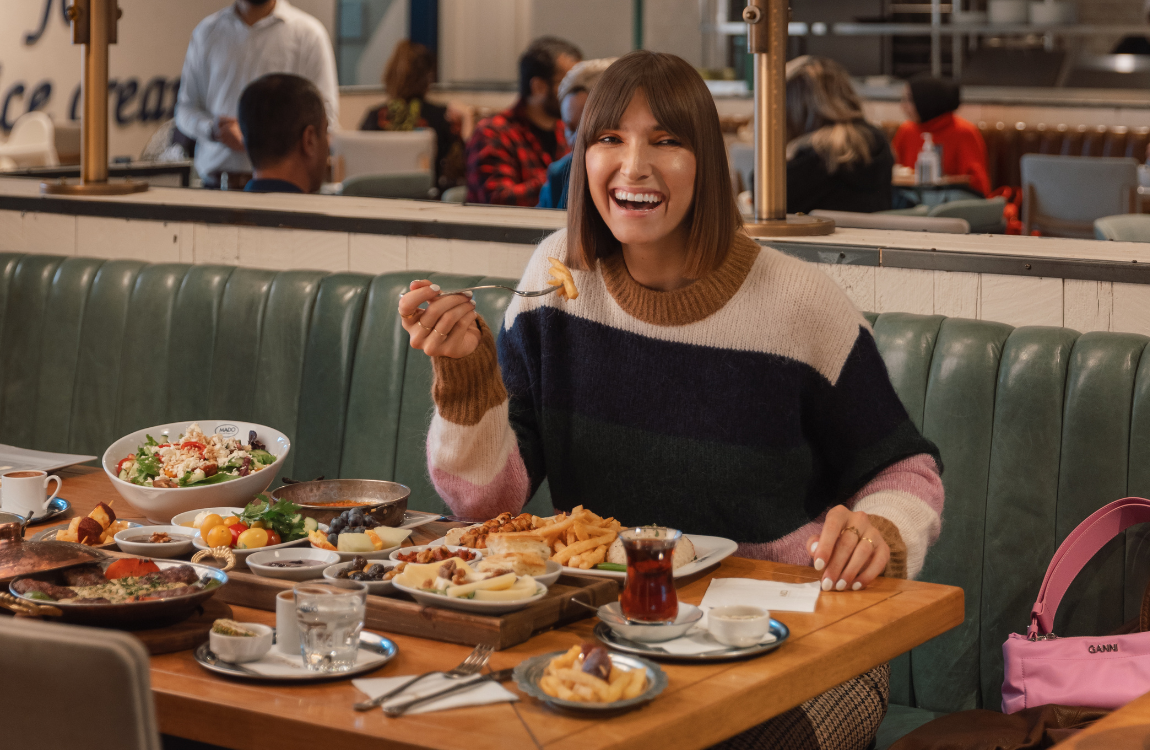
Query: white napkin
278, 664
481, 695
770, 595
699, 641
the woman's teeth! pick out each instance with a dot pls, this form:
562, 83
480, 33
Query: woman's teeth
637, 200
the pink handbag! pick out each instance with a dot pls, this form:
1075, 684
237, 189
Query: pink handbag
1102, 672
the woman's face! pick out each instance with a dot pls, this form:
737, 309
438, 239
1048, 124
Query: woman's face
642, 178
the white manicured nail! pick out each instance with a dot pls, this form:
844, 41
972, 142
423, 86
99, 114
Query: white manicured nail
435, 287
469, 295
827, 584
841, 585
856, 585
820, 563
814, 547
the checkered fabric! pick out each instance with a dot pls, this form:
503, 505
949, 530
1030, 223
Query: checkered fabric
506, 163
843, 718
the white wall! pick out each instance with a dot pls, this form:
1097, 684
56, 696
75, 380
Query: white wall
153, 37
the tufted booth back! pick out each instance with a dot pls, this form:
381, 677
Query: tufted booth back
1038, 427
1007, 143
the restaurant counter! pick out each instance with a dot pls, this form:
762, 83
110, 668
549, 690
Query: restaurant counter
1081, 284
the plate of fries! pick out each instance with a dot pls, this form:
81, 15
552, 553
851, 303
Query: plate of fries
580, 541
558, 678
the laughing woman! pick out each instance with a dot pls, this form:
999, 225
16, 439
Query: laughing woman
698, 381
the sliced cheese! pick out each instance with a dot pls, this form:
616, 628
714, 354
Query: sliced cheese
525, 588
497, 583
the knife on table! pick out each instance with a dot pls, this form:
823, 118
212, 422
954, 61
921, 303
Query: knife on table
502, 675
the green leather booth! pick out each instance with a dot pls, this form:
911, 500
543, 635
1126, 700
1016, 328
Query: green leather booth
1038, 427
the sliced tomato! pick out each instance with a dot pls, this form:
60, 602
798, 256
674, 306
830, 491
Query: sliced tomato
193, 444
237, 529
273, 538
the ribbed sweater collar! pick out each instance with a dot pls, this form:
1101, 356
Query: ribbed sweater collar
681, 306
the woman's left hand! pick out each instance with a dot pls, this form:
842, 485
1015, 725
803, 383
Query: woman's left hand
850, 551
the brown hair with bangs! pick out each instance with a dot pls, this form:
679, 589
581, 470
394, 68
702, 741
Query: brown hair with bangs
684, 107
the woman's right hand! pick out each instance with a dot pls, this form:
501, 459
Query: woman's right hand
447, 328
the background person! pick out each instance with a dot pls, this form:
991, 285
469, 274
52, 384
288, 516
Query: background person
836, 160
230, 49
284, 125
508, 154
755, 387
929, 105
573, 91
407, 77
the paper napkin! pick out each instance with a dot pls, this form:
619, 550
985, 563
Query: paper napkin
485, 693
770, 595
278, 664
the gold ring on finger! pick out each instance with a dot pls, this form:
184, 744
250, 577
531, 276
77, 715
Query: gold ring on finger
410, 314
852, 529
444, 335
868, 541
421, 325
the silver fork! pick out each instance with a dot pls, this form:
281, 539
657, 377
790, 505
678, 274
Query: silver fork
539, 293
473, 664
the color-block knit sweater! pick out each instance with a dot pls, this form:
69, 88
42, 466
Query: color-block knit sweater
744, 405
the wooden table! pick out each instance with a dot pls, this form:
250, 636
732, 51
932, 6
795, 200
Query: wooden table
849, 633
1129, 726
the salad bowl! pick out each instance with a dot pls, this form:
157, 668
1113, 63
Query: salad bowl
159, 504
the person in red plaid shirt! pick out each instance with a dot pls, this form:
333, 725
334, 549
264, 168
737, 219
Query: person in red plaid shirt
508, 154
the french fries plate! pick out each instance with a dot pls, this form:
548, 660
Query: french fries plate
530, 671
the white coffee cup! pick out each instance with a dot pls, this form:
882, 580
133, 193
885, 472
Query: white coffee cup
22, 491
287, 627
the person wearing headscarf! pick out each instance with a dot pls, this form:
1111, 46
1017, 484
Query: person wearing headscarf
929, 104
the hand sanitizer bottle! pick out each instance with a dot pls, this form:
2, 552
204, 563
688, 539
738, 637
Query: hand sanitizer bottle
928, 168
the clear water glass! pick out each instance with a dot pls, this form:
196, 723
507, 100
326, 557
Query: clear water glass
330, 617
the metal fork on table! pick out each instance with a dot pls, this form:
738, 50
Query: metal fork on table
473, 664
539, 293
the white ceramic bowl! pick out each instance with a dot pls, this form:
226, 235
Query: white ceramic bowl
160, 504
374, 588
321, 559
737, 625
238, 649
188, 518
394, 556
126, 541
688, 615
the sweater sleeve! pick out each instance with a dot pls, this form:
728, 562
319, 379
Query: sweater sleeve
905, 504
472, 452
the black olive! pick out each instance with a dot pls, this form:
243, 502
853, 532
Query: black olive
357, 576
359, 562
375, 571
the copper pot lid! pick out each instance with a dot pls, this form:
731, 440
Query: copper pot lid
18, 557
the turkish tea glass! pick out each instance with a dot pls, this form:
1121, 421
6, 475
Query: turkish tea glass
649, 593
330, 617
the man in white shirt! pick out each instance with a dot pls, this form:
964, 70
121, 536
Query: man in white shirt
230, 49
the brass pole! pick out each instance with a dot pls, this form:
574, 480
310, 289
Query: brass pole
94, 24
94, 72
767, 41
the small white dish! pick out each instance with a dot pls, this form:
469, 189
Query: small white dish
737, 625
374, 588
429, 599
238, 649
382, 554
137, 541
187, 519
320, 559
655, 632
394, 556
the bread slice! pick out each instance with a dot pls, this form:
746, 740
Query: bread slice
521, 542
520, 563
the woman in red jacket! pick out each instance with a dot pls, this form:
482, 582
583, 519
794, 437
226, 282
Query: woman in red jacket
929, 104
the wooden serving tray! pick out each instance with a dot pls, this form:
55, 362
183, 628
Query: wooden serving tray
398, 613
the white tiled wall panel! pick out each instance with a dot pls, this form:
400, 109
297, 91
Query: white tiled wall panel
1015, 300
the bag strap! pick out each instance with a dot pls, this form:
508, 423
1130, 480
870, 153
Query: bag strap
1076, 550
